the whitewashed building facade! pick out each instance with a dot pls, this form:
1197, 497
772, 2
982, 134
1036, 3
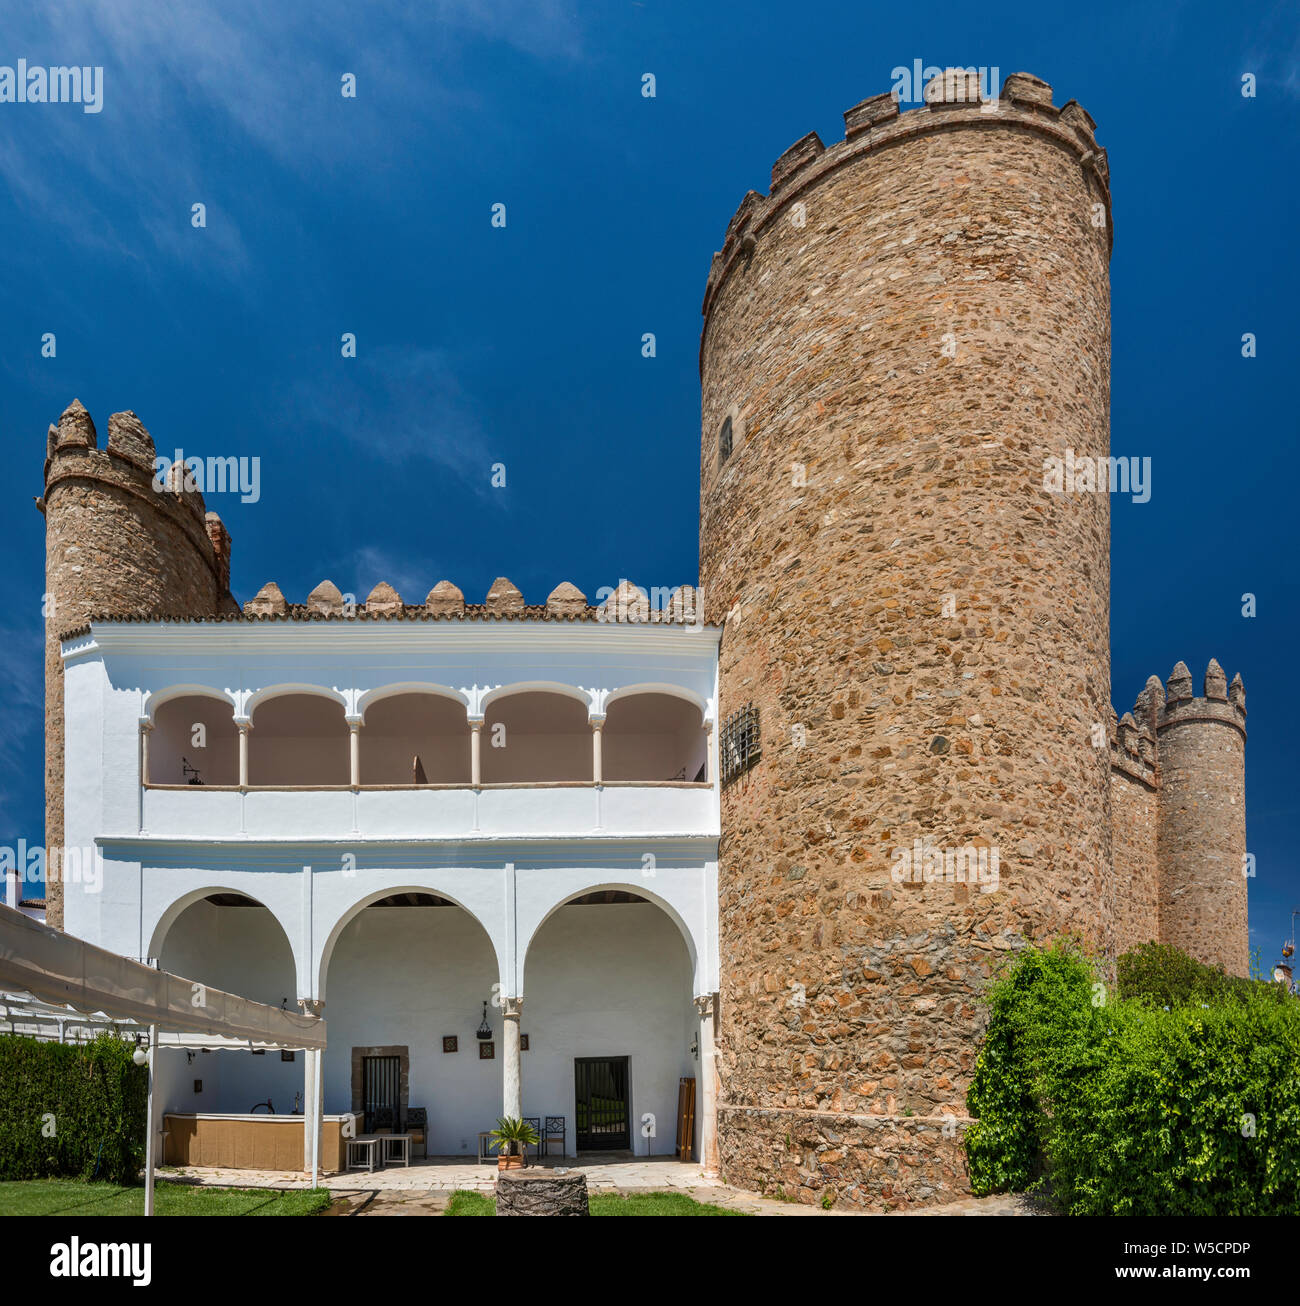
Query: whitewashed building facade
418, 826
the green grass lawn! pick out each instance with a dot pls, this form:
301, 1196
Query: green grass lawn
464, 1202
77, 1197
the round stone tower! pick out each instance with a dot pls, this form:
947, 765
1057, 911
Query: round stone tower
115, 545
904, 344
1202, 839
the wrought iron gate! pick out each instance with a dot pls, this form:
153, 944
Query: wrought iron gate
380, 1093
602, 1106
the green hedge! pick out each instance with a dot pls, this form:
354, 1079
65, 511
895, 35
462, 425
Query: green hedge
1160, 974
1118, 1106
71, 1110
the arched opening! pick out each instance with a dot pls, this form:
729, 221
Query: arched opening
610, 1021
408, 976
415, 738
536, 736
652, 737
299, 740
231, 942
194, 741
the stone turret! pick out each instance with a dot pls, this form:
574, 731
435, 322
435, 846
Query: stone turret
1202, 831
115, 543
895, 340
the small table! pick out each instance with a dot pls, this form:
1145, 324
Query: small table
484, 1146
368, 1146
397, 1148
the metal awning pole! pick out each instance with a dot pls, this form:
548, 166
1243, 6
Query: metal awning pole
149, 1143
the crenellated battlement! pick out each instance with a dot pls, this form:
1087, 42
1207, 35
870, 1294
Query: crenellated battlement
1132, 749
1178, 816
1219, 701
126, 467
952, 102
628, 604
1134, 737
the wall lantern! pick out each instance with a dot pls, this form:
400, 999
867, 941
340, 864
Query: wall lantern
141, 1053
484, 1030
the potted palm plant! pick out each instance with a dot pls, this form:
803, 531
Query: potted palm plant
510, 1137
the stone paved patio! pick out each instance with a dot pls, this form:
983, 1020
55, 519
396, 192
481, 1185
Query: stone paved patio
425, 1187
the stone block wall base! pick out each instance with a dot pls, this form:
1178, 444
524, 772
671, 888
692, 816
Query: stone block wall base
871, 1162
541, 1192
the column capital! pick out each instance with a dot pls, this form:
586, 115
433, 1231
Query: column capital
512, 1008
597, 720
243, 724
354, 722
312, 1006
706, 1004
475, 722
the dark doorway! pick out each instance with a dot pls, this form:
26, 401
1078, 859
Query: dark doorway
380, 1097
602, 1106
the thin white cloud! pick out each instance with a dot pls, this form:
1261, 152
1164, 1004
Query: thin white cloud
404, 407
187, 84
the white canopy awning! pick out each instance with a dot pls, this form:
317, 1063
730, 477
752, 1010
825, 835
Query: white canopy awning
21, 1013
71, 976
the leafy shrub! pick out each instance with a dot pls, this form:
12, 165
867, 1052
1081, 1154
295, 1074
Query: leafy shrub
1163, 976
71, 1110
1040, 1017
1125, 1108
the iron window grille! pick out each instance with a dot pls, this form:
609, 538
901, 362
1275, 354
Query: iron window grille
724, 442
740, 743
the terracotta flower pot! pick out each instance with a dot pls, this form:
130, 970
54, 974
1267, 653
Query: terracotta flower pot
510, 1161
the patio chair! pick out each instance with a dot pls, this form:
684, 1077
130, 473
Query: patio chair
417, 1125
554, 1132
536, 1122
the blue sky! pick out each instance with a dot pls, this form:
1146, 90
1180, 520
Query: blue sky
522, 346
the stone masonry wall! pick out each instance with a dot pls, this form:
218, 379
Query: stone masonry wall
114, 544
1134, 823
901, 335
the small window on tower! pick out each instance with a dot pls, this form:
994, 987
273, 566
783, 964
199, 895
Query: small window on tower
724, 442
739, 746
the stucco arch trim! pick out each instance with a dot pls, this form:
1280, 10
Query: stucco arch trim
260, 696
381, 692
169, 915
673, 691
695, 946
154, 699
354, 909
535, 687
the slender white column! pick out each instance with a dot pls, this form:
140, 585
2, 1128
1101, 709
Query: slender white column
708, 752
354, 751
244, 727
476, 751
311, 1098
706, 1005
597, 758
146, 729
315, 1121
512, 1103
